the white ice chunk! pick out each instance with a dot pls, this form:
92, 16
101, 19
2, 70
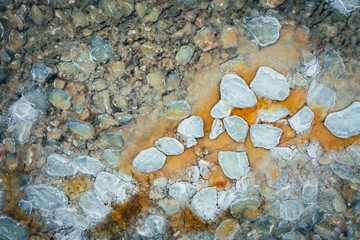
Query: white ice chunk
320, 97
45, 197
88, 165
265, 136
58, 165
270, 84
149, 160
233, 164
220, 110
236, 127
192, 127
344, 123
302, 120
93, 206
272, 114
71, 217
182, 191
105, 182
217, 128
225, 198
190, 142
204, 203
235, 92
265, 30
169, 146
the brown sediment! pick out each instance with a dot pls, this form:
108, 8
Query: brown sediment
124, 214
274, 173
75, 186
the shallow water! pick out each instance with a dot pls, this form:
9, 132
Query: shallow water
86, 88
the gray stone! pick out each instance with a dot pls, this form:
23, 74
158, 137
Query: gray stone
45, 197
70, 234
270, 84
265, 136
149, 160
238, 207
39, 72
100, 49
234, 164
217, 128
71, 217
22, 131
310, 189
169, 206
272, 114
235, 92
82, 129
112, 157
182, 191
345, 6
169, 146
302, 120
26, 206
334, 64
236, 127
57, 165
59, 98
203, 235
292, 235
3, 74
265, 30
346, 173
93, 206
105, 183
320, 97
12, 230
113, 139
37, 96
220, 110
88, 165
123, 118
344, 123
154, 225
178, 110
184, 55
291, 210
191, 127
281, 153
23, 110
204, 203
225, 198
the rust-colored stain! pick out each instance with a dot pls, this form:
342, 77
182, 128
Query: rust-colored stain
124, 214
274, 173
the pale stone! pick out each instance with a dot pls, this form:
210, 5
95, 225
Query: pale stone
169, 206
302, 120
236, 127
344, 123
270, 84
265, 136
279, 180
235, 92
339, 204
71, 217
182, 191
265, 30
310, 189
149, 160
190, 142
169, 146
204, 203
39, 72
88, 165
314, 150
57, 165
105, 183
23, 110
154, 225
220, 110
272, 114
345, 6
281, 153
93, 206
225, 198
45, 197
191, 127
184, 55
234, 164
83, 129
320, 97
217, 128
291, 209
